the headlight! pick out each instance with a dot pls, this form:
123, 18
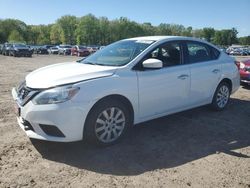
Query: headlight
15, 49
56, 95
242, 65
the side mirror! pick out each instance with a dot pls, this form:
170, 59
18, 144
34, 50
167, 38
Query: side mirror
152, 63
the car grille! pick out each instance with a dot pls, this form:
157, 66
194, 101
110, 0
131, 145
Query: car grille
25, 94
23, 50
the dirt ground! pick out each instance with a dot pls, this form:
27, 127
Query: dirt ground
195, 148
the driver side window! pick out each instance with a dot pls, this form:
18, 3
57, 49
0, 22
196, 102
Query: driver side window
169, 54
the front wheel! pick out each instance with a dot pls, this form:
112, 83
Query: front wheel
107, 122
221, 96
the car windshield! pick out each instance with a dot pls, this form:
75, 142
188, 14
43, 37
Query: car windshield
82, 47
65, 46
20, 45
119, 53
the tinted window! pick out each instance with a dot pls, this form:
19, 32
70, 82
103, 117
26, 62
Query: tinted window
169, 54
198, 52
215, 53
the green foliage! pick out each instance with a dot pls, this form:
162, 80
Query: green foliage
15, 36
87, 31
65, 27
55, 34
208, 34
226, 37
244, 40
14, 27
101, 31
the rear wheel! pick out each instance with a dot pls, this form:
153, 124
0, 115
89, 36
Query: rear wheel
107, 122
221, 96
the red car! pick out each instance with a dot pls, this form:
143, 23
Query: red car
80, 51
245, 71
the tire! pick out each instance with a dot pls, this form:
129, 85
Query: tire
221, 96
104, 129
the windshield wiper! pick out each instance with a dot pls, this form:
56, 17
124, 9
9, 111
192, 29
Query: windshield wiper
89, 63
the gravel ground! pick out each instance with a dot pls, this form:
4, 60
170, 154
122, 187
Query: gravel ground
195, 148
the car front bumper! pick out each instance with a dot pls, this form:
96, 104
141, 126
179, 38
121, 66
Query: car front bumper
23, 53
67, 117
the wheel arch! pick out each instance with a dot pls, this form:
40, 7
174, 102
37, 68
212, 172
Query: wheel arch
228, 81
124, 100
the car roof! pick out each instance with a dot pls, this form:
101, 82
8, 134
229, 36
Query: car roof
159, 38
155, 38
163, 38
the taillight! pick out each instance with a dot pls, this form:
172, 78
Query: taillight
237, 63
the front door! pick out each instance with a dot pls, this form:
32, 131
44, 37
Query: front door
164, 90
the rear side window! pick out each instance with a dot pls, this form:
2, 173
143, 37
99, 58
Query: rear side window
215, 53
198, 52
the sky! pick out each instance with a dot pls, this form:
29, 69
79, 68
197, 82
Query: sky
219, 14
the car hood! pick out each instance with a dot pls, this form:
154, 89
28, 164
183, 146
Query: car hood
65, 73
22, 48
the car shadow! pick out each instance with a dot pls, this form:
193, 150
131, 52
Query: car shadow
246, 86
162, 143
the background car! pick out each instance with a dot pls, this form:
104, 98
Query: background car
1, 48
244, 67
238, 51
43, 49
20, 50
92, 49
6, 48
80, 51
64, 49
53, 50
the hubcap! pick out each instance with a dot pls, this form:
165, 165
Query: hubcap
222, 96
110, 124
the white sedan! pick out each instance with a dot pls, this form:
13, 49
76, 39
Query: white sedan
125, 83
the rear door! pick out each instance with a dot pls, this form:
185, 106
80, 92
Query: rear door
205, 71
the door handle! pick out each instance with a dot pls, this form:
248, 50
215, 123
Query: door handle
215, 71
183, 76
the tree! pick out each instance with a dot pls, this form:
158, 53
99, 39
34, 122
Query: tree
87, 31
67, 25
55, 34
148, 29
102, 31
15, 36
40, 34
198, 33
7, 26
164, 29
208, 33
187, 32
226, 37
244, 40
